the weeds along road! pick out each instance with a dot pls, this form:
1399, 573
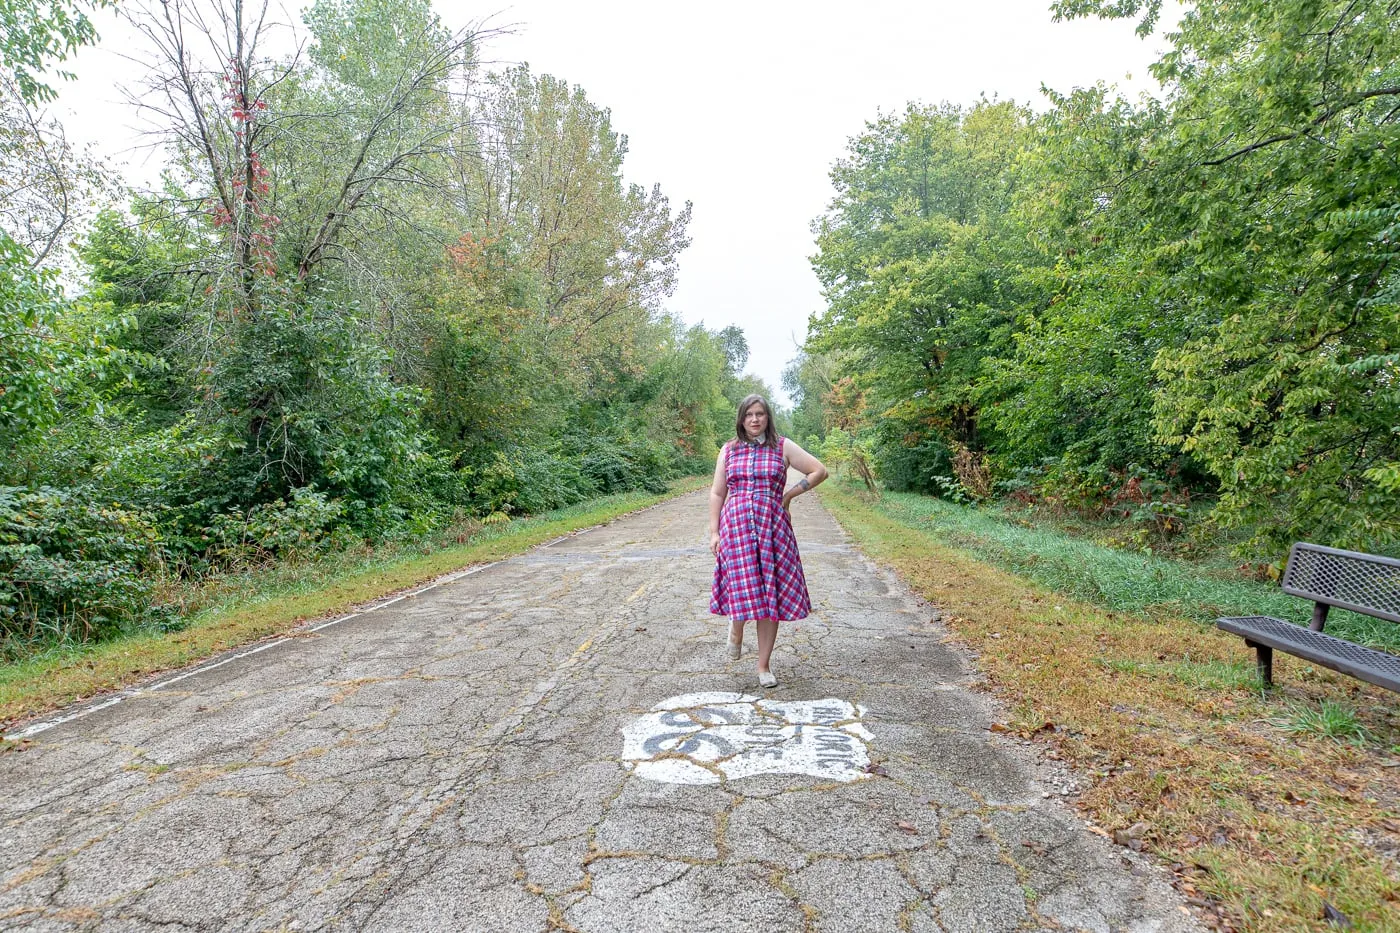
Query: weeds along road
559, 742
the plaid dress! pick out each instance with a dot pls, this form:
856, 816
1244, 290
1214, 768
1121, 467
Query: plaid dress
759, 572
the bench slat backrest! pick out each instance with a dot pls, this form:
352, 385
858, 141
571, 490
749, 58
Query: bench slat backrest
1345, 579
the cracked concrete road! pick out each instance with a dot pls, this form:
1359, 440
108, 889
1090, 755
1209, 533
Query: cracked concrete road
456, 762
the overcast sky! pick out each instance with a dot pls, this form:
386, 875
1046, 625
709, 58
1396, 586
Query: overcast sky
741, 108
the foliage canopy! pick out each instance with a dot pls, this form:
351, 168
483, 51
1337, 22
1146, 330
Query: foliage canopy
1201, 288
382, 292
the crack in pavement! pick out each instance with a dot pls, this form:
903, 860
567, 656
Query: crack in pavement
455, 760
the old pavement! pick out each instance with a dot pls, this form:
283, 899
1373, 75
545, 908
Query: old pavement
557, 742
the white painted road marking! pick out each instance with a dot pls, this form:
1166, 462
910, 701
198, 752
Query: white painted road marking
705, 738
35, 728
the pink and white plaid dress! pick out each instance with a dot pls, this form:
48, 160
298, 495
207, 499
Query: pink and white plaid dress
759, 572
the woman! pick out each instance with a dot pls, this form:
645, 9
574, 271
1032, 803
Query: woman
758, 572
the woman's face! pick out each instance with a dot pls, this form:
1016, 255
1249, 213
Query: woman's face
755, 420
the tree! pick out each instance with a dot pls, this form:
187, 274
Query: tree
35, 34
1272, 205
736, 348
1079, 387
922, 270
39, 366
809, 380
546, 184
693, 374
280, 160
288, 156
44, 186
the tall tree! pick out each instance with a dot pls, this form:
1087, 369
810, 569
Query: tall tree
1079, 387
922, 273
45, 187
601, 254
1273, 209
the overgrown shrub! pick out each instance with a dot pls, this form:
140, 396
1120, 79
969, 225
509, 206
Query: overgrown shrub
1156, 504
605, 466
305, 399
848, 457
71, 568
652, 463
623, 465
160, 472
913, 464
525, 480
293, 528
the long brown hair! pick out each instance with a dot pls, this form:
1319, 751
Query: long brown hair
770, 437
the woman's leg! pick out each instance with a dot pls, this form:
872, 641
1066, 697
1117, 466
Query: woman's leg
767, 635
736, 632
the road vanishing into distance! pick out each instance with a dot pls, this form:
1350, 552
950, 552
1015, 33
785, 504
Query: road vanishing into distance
558, 742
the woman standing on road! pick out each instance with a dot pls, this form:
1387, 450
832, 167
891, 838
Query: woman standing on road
758, 572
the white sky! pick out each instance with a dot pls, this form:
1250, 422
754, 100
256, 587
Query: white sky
740, 108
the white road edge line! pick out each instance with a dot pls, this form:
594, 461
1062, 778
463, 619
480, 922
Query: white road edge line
47, 724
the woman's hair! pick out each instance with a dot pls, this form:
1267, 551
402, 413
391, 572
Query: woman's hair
770, 438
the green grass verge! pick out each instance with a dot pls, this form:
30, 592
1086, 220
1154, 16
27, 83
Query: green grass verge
1268, 806
237, 610
1155, 586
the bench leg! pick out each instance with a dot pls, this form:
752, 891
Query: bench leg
1265, 660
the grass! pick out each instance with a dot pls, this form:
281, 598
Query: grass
1263, 809
1328, 719
1120, 580
234, 611
1212, 674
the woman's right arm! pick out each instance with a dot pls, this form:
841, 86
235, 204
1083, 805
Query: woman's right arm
718, 490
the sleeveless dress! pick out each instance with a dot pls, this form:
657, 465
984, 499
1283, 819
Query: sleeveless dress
759, 572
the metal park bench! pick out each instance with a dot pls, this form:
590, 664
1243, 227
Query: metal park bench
1329, 577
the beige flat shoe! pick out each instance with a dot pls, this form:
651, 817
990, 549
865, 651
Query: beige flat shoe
766, 679
734, 650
